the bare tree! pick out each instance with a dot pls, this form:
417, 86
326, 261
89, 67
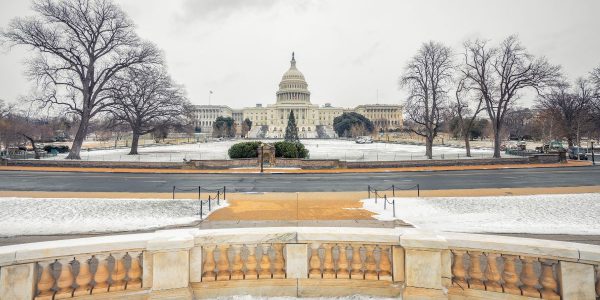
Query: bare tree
500, 73
462, 108
568, 108
80, 45
146, 98
427, 77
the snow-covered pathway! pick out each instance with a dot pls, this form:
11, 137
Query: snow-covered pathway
577, 214
50, 216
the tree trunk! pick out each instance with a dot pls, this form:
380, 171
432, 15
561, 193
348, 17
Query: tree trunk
35, 150
134, 144
468, 144
429, 147
570, 141
79, 137
497, 142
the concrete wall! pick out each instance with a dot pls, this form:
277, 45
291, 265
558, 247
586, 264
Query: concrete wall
283, 163
94, 164
423, 265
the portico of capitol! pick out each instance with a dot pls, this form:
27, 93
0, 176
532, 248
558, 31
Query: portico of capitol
313, 121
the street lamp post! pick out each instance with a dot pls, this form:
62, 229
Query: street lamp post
262, 156
593, 159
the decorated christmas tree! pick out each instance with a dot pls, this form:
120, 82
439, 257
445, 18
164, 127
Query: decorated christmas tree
291, 131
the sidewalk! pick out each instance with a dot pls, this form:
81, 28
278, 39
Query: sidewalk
294, 170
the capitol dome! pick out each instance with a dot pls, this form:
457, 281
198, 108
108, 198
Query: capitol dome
293, 87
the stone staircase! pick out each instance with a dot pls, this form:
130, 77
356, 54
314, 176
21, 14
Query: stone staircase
258, 132
325, 132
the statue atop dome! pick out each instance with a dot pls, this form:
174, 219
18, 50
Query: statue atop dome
293, 60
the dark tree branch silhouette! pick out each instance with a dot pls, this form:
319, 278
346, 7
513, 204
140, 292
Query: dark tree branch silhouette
427, 78
568, 107
462, 108
79, 46
145, 98
500, 73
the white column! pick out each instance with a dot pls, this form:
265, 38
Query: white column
576, 281
296, 261
171, 265
17, 282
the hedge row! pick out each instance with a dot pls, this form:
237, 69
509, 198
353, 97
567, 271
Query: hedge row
59, 149
282, 149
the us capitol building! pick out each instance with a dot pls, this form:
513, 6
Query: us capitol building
293, 95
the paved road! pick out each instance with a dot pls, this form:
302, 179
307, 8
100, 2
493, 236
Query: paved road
123, 182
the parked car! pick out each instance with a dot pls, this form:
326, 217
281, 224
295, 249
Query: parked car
577, 153
364, 140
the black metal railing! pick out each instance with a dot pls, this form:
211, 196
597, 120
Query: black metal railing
393, 188
213, 195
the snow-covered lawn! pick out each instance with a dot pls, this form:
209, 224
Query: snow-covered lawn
319, 149
49, 216
577, 214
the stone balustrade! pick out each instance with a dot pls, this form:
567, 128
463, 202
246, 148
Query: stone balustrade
300, 261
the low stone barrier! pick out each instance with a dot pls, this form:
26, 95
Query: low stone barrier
284, 163
63, 163
433, 163
302, 262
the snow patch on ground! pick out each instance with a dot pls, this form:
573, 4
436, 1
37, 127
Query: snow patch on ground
319, 149
49, 216
577, 214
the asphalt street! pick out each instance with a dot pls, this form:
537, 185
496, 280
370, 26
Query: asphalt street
433, 180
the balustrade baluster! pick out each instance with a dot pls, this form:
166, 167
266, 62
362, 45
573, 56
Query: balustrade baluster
492, 273
529, 278
458, 269
251, 263
475, 274
265, 263
223, 263
236, 267
342, 265
119, 273
370, 264
65, 279
45, 281
314, 270
356, 265
84, 277
208, 268
278, 263
134, 272
510, 276
328, 271
101, 275
548, 280
385, 266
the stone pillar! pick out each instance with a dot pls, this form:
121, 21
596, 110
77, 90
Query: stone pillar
296, 261
398, 264
196, 264
424, 266
17, 282
576, 280
171, 265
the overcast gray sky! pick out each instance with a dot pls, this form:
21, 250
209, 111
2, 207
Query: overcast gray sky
347, 50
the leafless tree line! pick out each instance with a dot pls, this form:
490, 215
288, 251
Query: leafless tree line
88, 61
490, 79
